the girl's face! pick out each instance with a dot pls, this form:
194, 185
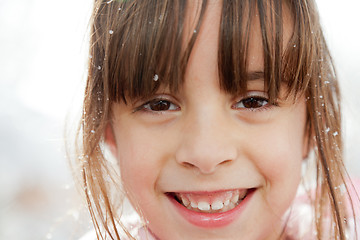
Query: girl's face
203, 164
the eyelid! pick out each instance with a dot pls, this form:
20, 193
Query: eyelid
157, 97
250, 94
254, 94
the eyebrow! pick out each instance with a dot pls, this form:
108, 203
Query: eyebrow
255, 75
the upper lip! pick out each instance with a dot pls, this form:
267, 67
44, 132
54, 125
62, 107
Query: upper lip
208, 191
222, 195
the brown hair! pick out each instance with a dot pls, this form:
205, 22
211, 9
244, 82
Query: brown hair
132, 41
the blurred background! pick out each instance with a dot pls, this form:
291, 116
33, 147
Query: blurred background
43, 47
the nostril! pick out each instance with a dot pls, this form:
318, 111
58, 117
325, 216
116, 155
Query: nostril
188, 165
204, 167
225, 161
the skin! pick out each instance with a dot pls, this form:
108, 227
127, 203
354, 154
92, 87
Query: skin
208, 141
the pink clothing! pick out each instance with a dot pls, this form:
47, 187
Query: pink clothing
301, 223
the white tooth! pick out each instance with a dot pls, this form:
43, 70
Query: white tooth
235, 198
185, 202
193, 205
225, 208
217, 205
231, 205
226, 202
204, 206
228, 207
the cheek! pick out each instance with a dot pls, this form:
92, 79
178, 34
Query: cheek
279, 162
282, 144
141, 158
284, 154
135, 161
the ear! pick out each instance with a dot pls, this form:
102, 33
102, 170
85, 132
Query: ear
110, 139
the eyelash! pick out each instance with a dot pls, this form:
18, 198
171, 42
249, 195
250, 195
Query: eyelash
255, 97
146, 106
161, 100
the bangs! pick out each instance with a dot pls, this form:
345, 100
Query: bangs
286, 66
143, 47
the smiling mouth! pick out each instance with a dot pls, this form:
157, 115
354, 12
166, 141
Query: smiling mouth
211, 202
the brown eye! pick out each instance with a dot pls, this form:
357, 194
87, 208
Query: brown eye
158, 105
251, 103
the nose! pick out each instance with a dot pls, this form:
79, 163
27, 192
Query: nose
207, 142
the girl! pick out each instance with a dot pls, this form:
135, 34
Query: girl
210, 109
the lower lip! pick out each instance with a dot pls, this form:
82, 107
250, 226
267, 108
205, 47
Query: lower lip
212, 220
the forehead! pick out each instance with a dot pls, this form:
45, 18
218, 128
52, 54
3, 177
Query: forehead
204, 54
256, 36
